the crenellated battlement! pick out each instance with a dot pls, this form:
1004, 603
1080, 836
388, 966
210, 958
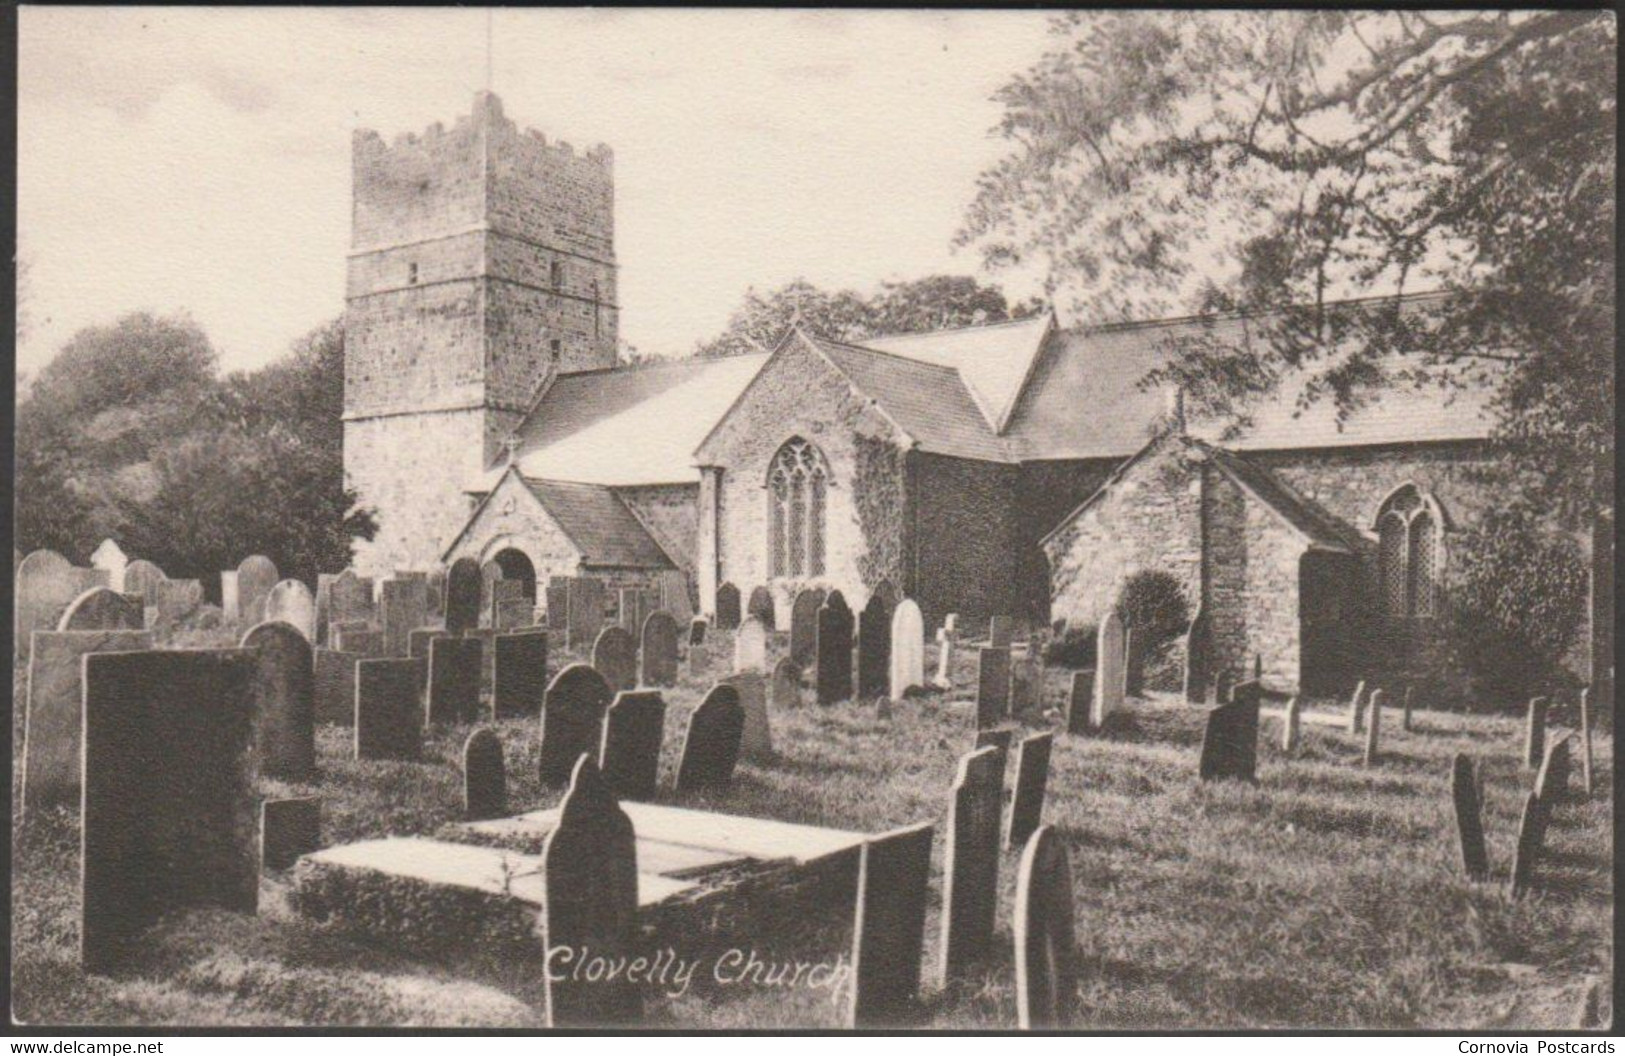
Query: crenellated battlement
486, 116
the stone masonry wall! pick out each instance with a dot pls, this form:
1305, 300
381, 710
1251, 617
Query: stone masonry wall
419, 498
1050, 491
514, 518
1270, 610
671, 514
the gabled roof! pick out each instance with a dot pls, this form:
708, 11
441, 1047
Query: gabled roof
599, 524
928, 401
994, 360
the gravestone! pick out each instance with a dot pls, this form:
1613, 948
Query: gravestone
403, 607
727, 607
350, 597
992, 685
141, 578
888, 931
358, 639
43, 585
1110, 669
168, 810
672, 588
1001, 632
1032, 775
906, 668
180, 598
586, 612
1080, 700
284, 697
750, 646
1291, 722
291, 602
230, 604
1134, 652
970, 870
335, 686
833, 670
100, 609
556, 599
712, 742
1000, 739
454, 680
1475, 861
1405, 710
463, 585
1198, 659
1531, 843
1230, 742
485, 776
786, 690
696, 631
657, 655
804, 625
629, 751
761, 607
590, 902
51, 716
874, 648
289, 828
1224, 683
417, 643
1373, 728
1585, 739
256, 576
519, 679
1025, 681
572, 721
510, 606
946, 645
756, 736
1534, 742
1552, 783
1356, 720
388, 710
435, 580
615, 655
1045, 943
110, 558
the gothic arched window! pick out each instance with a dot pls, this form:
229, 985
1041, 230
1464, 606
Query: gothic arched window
1408, 540
796, 482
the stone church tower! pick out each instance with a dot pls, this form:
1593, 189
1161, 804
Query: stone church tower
482, 264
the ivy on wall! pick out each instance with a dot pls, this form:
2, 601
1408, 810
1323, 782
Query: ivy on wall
877, 494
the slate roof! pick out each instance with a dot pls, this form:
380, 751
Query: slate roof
994, 360
599, 524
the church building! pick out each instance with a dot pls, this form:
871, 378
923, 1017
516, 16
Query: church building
1015, 468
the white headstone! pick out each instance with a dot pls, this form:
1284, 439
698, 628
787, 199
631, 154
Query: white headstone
945, 658
291, 602
907, 648
1111, 668
750, 646
111, 559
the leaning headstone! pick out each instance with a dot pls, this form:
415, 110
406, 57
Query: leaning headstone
256, 576
51, 716
1475, 859
289, 829
1531, 841
712, 742
388, 710
1552, 783
1046, 945
888, 932
615, 655
335, 686
804, 625
1356, 720
761, 607
454, 680
874, 648
586, 612
463, 586
1001, 632
110, 558
168, 814
727, 607
756, 736
284, 694
1080, 700
1585, 739
1373, 729
906, 668
629, 750
403, 607
1110, 669
45, 583
291, 602
1292, 720
520, 676
572, 720
1534, 741
485, 776
657, 655
833, 669
1198, 659
590, 902
750, 646
992, 685
100, 609
970, 870
1230, 742
786, 692
1032, 775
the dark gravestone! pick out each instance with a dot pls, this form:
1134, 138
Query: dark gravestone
1001, 632
1025, 684
388, 710
520, 678
888, 932
1356, 714
100, 609
1475, 861
1230, 742
1078, 700
1373, 728
454, 680
1585, 740
463, 583
834, 651
992, 685
52, 730
590, 903
727, 607
168, 810
999, 738
1198, 659
1032, 775
1552, 783
1534, 743
970, 868
615, 655
289, 828
572, 721
357, 638
804, 626
658, 655
1134, 649
335, 686
556, 601
349, 597
761, 607
510, 607
696, 631
629, 753
1046, 945
586, 612
284, 691
1531, 841
403, 607
711, 745
485, 777
255, 578
417, 647
874, 648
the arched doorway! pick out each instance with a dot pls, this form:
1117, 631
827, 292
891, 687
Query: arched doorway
516, 566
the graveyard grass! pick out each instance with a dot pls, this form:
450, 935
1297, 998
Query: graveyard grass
1330, 895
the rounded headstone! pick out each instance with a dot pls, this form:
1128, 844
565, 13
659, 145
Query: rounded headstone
291, 602
284, 699
100, 609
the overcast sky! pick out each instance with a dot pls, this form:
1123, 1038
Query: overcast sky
198, 159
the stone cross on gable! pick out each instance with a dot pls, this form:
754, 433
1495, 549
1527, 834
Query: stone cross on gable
510, 447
